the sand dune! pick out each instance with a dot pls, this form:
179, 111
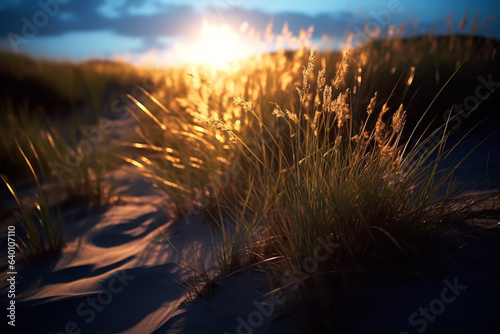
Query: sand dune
118, 274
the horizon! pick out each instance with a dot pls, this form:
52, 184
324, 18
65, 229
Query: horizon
170, 32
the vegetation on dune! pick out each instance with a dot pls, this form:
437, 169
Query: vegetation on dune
65, 172
40, 97
58, 86
292, 154
43, 229
283, 170
71, 153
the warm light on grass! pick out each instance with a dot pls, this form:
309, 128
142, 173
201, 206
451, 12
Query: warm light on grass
314, 157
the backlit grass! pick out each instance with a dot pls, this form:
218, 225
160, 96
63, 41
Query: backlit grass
284, 169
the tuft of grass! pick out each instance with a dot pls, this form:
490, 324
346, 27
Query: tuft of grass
78, 165
44, 228
361, 190
65, 155
285, 172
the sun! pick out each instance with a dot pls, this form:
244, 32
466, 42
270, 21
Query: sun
218, 46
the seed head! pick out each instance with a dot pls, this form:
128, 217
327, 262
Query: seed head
371, 105
380, 126
327, 98
321, 79
305, 83
310, 63
341, 107
278, 112
341, 70
398, 119
247, 106
293, 117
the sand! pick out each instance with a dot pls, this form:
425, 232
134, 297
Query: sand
118, 274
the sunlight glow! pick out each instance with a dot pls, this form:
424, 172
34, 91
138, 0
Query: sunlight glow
218, 46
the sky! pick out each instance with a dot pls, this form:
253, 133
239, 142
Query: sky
170, 31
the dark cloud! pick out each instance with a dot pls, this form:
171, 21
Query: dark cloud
84, 16
176, 21
169, 21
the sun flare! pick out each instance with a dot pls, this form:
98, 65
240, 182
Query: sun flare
218, 46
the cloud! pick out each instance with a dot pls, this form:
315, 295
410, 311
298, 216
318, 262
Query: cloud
159, 19
86, 16
323, 23
170, 21
152, 20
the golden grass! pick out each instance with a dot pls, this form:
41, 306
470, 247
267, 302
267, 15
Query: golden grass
306, 168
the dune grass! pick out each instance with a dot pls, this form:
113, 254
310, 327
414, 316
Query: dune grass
288, 173
43, 227
343, 199
39, 216
59, 85
64, 168
64, 153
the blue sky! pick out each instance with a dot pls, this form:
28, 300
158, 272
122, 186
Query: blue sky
79, 30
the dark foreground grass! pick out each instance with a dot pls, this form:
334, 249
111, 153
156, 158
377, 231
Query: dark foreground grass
53, 139
43, 227
59, 86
